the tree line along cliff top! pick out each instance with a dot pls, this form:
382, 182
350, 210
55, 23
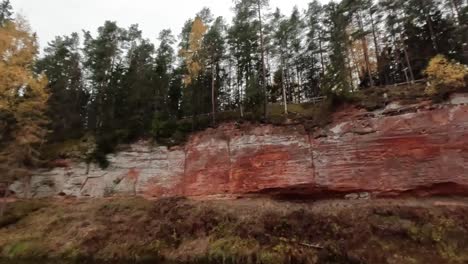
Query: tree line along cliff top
114, 86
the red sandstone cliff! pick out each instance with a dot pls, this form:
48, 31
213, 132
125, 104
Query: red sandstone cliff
420, 149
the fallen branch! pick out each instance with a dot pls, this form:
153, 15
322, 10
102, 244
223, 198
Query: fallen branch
290, 241
315, 246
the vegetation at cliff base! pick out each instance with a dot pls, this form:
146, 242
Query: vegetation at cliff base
242, 231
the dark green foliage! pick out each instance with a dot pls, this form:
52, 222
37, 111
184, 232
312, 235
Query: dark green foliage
244, 42
428, 33
6, 11
163, 70
337, 79
418, 30
69, 99
119, 87
313, 62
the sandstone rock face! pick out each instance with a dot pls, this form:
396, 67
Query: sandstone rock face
397, 153
417, 150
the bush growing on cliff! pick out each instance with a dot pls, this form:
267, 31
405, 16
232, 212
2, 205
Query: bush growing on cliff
445, 76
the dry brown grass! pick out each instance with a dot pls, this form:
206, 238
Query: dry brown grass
243, 231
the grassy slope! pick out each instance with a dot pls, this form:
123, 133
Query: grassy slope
243, 231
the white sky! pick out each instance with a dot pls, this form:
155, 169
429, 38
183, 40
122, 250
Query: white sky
50, 18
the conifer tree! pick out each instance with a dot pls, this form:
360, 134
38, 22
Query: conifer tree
337, 19
67, 103
6, 12
313, 54
164, 60
139, 94
214, 48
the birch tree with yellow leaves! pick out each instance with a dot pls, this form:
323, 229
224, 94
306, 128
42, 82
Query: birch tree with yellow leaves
193, 56
194, 60
23, 102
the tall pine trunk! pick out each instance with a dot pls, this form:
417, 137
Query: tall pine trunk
299, 85
365, 50
432, 33
213, 94
262, 49
283, 86
455, 10
239, 91
408, 62
322, 60
376, 43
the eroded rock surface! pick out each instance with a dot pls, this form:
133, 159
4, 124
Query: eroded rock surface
420, 149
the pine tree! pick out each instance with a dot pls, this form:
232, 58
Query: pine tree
102, 58
375, 19
67, 103
162, 81
337, 19
361, 30
458, 15
260, 5
174, 99
139, 101
245, 41
398, 60
313, 54
164, 60
296, 28
106, 65
5, 12
214, 48
283, 42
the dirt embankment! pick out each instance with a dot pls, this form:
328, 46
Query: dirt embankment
241, 231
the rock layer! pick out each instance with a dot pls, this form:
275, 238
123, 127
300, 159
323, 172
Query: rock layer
420, 149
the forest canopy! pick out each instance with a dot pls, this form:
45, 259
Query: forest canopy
118, 86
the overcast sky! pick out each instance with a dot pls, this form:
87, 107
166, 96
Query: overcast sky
50, 18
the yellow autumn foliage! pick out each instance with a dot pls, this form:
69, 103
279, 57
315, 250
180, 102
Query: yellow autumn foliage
23, 97
445, 76
192, 55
